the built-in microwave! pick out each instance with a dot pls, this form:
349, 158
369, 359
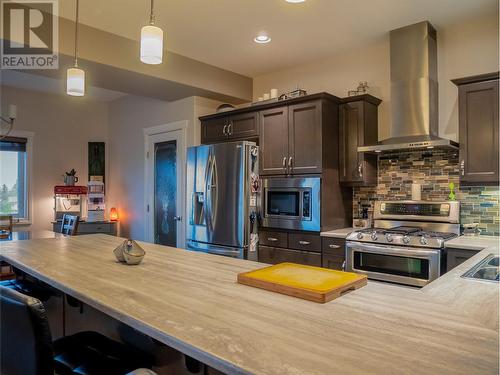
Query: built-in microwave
291, 203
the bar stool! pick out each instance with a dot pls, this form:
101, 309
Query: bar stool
26, 345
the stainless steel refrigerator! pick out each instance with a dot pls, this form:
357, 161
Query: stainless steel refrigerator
221, 193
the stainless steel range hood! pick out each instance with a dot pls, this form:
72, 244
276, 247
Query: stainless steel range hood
414, 92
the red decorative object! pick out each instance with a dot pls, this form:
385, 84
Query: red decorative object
113, 214
63, 189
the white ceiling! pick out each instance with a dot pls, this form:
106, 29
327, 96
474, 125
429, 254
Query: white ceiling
221, 32
55, 86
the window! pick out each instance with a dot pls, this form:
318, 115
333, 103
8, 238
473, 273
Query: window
14, 178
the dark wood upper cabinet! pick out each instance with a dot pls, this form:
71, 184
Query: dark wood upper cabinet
245, 125
295, 136
304, 138
214, 130
227, 128
273, 141
358, 126
300, 138
478, 128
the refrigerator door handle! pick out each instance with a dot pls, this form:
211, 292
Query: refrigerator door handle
211, 188
215, 187
208, 193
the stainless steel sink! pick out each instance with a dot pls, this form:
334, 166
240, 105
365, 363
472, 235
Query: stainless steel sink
488, 269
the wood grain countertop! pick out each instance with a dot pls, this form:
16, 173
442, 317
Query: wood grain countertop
191, 302
338, 233
473, 242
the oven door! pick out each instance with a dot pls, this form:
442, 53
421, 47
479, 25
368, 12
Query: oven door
403, 265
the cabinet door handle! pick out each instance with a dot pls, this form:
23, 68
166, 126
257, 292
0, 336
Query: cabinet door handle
304, 242
462, 167
284, 162
290, 159
272, 239
230, 128
224, 130
360, 170
332, 246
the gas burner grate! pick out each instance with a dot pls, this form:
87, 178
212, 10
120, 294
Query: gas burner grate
404, 230
443, 235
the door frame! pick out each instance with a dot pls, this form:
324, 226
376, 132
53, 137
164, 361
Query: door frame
181, 128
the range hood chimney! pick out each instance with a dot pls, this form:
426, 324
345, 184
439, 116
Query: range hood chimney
414, 92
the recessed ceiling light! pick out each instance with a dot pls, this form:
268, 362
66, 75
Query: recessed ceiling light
295, 1
262, 39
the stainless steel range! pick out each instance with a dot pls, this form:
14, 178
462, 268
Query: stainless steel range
406, 245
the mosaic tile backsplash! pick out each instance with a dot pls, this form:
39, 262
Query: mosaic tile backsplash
434, 171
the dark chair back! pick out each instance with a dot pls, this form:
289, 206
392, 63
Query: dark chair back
25, 339
69, 225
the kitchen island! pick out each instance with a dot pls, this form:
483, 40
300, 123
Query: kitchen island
191, 302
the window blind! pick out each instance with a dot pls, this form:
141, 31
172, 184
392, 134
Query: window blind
13, 144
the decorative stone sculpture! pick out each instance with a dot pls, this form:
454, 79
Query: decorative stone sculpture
129, 252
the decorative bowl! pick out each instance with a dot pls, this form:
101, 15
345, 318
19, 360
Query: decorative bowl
129, 252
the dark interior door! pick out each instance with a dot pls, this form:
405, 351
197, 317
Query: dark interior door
165, 198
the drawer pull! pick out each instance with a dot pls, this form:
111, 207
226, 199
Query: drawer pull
332, 246
304, 243
272, 239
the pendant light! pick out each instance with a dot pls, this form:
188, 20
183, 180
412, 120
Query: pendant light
75, 77
151, 41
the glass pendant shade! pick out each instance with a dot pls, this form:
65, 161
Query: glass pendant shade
151, 45
75, 82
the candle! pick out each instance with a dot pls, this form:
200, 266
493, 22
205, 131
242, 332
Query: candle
274, 93
12, 111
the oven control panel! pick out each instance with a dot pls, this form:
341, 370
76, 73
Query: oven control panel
444, 212
418, 209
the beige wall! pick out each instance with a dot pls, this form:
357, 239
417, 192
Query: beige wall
464, 49
63, 126
127, 119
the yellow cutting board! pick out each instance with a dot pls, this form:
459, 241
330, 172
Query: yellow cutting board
307, 282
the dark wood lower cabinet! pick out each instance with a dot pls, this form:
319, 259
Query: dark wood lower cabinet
304, 242
275, 255
333, 256
273, 239
332, 262
455, 257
